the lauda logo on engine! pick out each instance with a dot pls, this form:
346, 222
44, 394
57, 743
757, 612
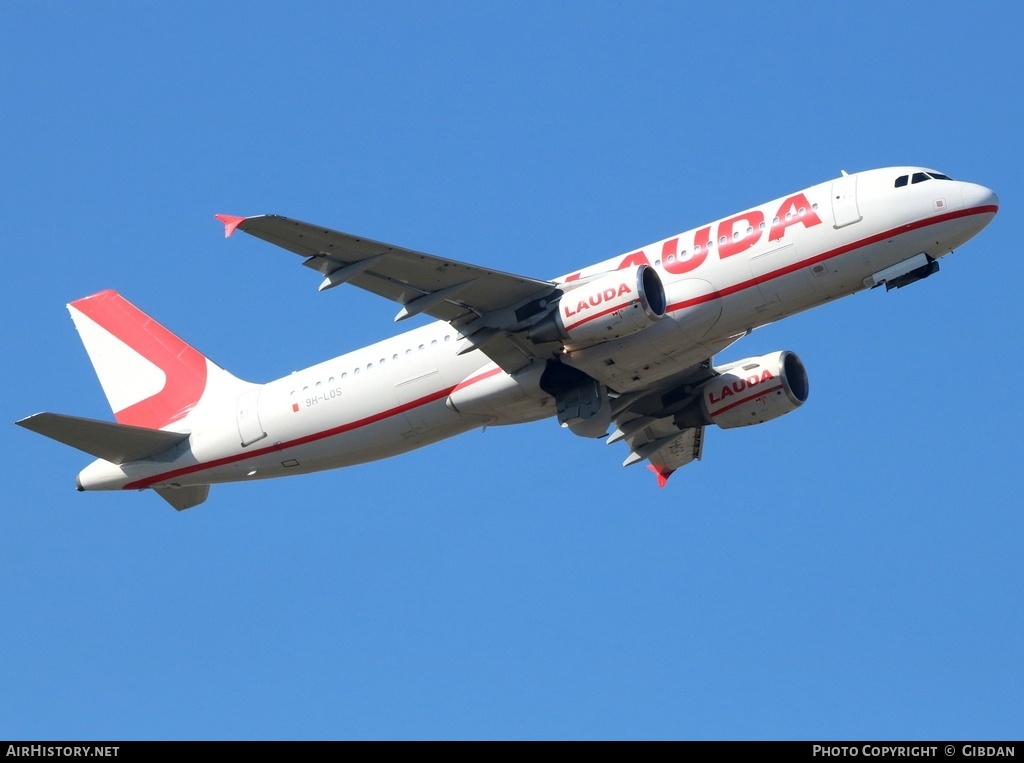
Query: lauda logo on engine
596, 300
738, 385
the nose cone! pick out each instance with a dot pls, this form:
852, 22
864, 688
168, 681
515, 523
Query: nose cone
979, 197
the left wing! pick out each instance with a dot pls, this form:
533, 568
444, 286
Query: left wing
489, 308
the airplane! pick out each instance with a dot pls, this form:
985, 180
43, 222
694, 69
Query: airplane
621, 349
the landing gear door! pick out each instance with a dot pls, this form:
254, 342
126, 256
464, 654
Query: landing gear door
248, 416
844, 202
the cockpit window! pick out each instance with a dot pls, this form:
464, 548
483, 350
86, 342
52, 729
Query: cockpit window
920, 177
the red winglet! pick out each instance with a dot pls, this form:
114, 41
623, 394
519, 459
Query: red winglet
662, 476
230, 223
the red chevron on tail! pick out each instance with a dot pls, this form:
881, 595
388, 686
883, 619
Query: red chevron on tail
151, 377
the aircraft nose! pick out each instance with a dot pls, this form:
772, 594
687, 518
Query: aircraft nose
975, 196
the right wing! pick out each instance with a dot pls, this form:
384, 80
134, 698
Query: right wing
649, 422
667, 453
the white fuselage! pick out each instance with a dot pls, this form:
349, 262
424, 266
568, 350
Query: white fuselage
722, 280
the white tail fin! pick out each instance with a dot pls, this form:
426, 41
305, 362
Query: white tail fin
151, 377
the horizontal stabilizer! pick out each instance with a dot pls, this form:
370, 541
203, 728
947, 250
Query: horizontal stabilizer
182, 498
117, 443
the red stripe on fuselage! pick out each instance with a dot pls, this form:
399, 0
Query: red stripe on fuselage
235, 458
837, 252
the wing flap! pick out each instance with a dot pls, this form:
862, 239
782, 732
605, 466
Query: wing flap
686, 447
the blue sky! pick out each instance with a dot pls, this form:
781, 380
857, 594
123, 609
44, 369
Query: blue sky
850, 571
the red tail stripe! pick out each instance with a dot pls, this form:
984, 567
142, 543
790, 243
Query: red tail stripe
184, 367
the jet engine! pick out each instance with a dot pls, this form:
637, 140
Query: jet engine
615, 305
755, 390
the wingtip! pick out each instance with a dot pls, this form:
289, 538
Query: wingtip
231, 222
661, 475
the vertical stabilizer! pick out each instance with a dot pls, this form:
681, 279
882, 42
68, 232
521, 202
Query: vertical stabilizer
151, 377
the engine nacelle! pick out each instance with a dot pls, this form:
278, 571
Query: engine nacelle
755, 390
617, 304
